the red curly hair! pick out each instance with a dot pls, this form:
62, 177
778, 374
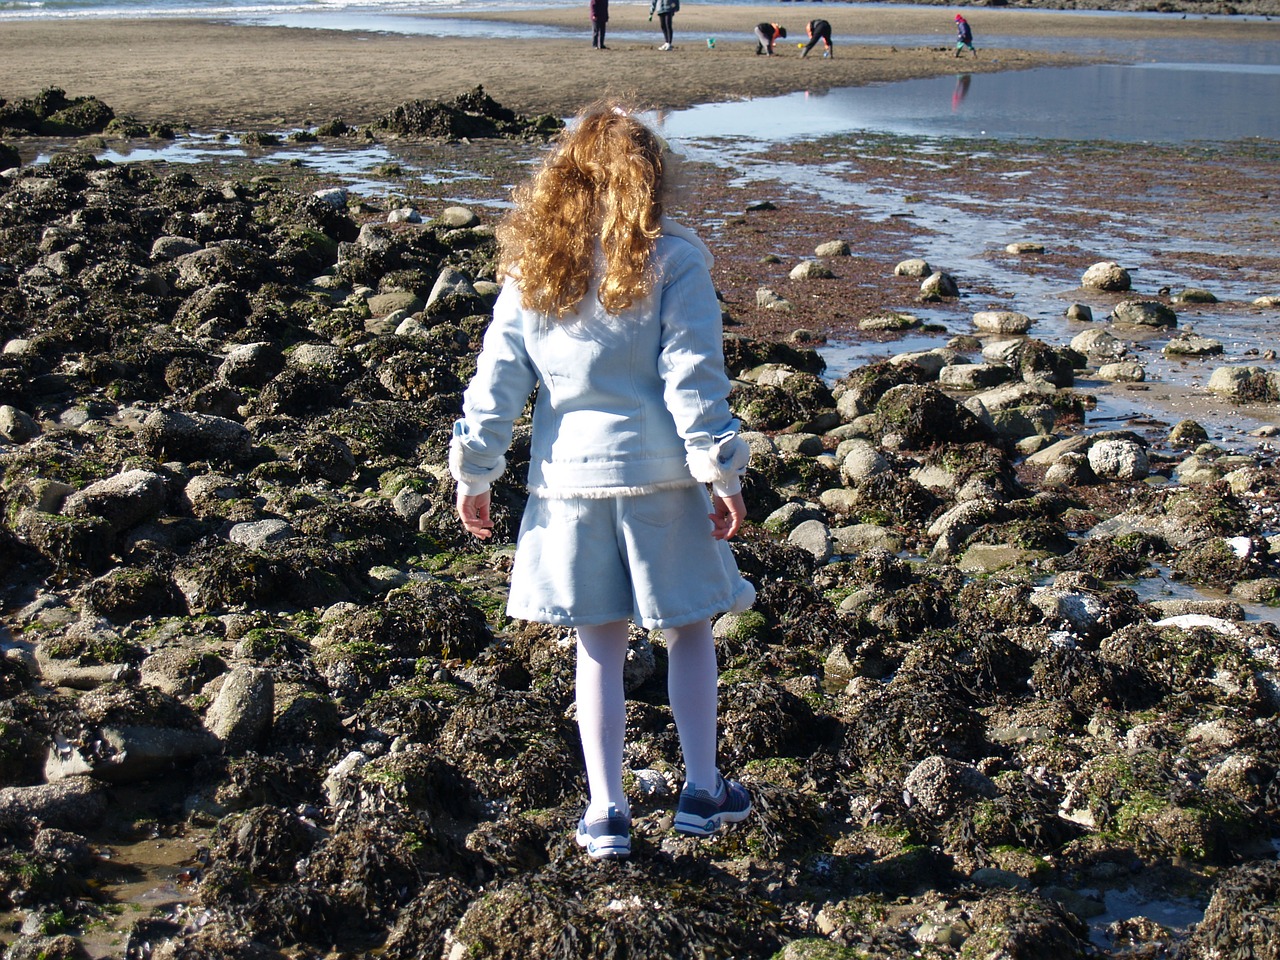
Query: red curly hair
601, 184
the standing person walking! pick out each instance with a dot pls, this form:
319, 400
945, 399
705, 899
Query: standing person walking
608, 308
599, 17
818, 30
766, 34
666, 11
964, 35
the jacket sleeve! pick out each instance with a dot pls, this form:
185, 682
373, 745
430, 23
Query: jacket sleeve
695, 386
504, 378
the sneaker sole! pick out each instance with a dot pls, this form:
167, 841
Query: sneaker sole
604, 849
707, 826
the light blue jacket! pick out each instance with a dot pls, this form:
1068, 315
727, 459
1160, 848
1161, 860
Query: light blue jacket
626, 404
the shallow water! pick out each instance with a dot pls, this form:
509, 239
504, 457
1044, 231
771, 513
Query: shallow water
1167, 102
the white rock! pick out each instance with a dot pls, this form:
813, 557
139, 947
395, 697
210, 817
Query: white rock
1107, 275
1001, 321
1118, 460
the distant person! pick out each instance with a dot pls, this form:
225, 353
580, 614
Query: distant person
599, 17
666, 11
818, 30
964, 35
766, 34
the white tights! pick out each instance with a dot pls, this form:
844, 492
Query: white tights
602, 707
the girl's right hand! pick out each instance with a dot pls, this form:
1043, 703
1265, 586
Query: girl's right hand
729, 514
473, 511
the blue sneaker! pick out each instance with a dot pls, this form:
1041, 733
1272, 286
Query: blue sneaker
700, 814
607, 837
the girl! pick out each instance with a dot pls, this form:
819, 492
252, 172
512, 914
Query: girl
666, 11
818, 30
609, 309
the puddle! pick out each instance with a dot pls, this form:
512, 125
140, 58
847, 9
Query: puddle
1178, 916
1162, 586
142, 879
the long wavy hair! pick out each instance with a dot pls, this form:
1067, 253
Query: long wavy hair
602, 184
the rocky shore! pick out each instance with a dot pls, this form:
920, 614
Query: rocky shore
237, 610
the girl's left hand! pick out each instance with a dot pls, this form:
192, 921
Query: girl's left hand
729, 514
473, 511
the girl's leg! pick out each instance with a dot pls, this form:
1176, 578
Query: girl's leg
668, 28
602, 713
691, 687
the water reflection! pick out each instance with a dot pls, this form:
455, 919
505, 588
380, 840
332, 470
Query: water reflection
1153, 102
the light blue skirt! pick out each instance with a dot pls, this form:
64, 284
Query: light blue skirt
649, 558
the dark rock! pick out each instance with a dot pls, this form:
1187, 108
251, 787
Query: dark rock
469, 116
83, 542
421, 931
52, 113
126, 594
39, 947
267, 842
77, 803
610, 914
1243, 916
195, 436
921, 416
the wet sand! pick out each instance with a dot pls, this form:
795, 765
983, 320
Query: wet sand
219, 75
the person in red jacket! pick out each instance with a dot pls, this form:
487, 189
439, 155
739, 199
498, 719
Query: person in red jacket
964, 35
766, 34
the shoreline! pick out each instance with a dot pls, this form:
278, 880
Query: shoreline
217, 75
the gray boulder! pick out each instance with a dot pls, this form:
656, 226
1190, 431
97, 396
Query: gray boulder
1144, 313
974, 376
811, 270
128, 754
123, 501
766, 299
1118, 460
77, 803
1107, 275
813, 536
1125, 371
939, 284
458, 218
860, 460
1070, 470
17, 426
451, 281
914, 267
1245, 384
240, 716
1188, 344
172, 435
251, 364
832, 248
942, 786
1098, 345
1001, 321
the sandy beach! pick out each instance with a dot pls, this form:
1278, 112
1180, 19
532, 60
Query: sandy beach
219, 75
